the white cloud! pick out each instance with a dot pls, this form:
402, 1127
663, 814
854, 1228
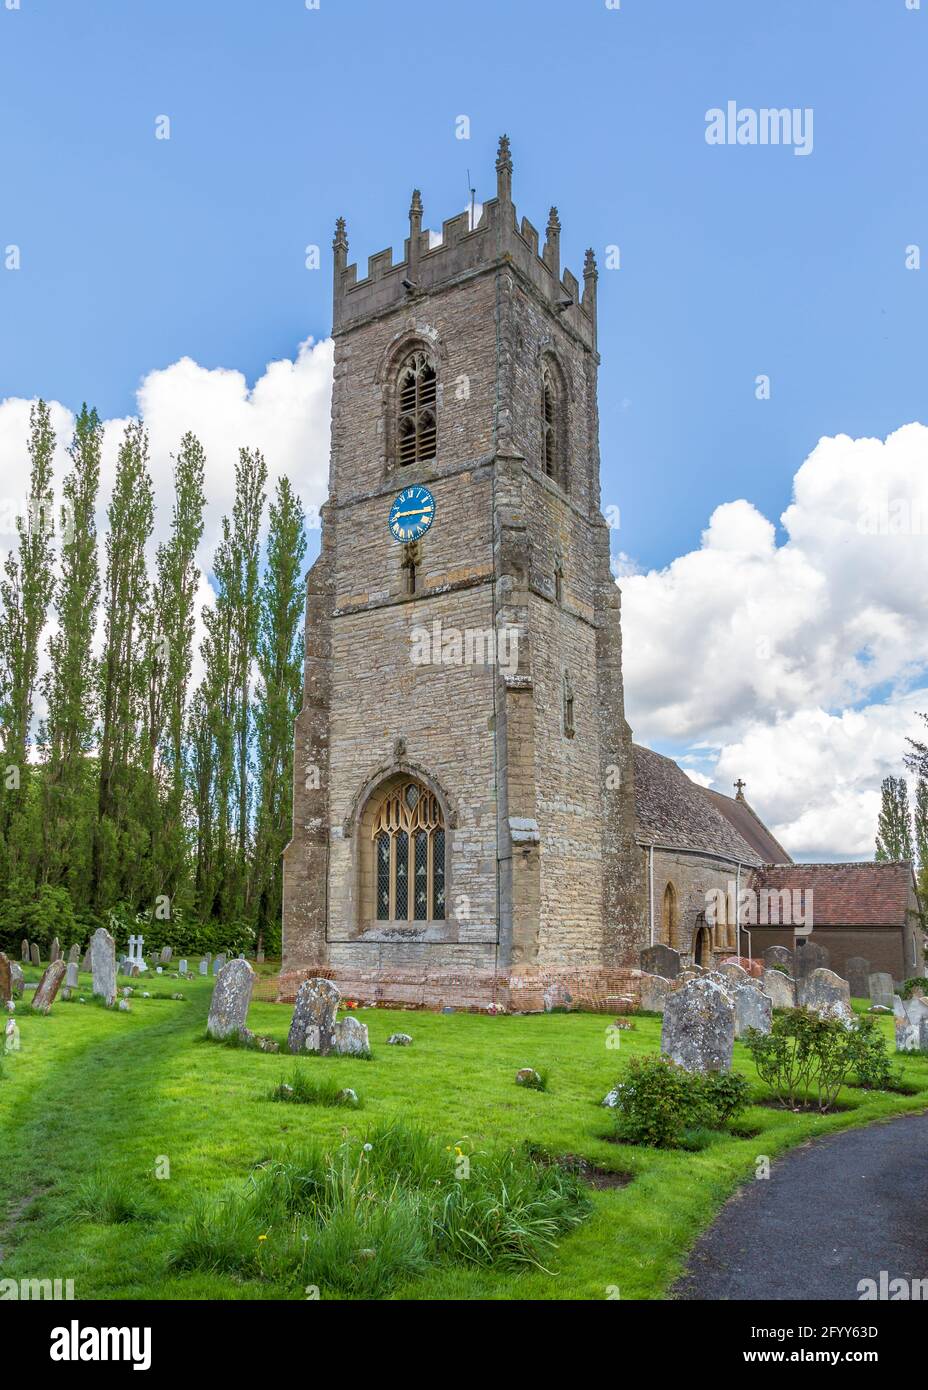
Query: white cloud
800, 664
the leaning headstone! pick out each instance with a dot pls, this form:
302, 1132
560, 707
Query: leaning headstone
312, 1028
654, 991
6, 979
660, 960
881, 989
778, 955
17, 978
103, 964
48, 986
351, 1038
228, 1010
74, 954
699, 1026
34, 954
24, 950
826, 994
55, 953
70, 977
780, 988
204, 967
857, 974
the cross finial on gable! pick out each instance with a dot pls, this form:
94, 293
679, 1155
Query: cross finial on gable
740, 786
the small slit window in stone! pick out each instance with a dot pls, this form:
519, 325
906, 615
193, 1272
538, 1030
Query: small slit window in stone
569, 729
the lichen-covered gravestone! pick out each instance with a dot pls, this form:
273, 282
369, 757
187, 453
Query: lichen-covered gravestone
809, 956
778, 955
699, 1025
654, 991
48, 986
165, 955
70, 978
911, 1022
781, 989
857, 974
24, 949
228, 1010
881, 989
34, 954
312, 1028
74, 955
351, 1037
753, 1008
6, 979
660, 960
17, 978
824, 993
55, 953
103, 965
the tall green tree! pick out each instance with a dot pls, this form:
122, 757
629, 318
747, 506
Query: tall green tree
25, 593
125, 597
68, 809
280, 668
894, 827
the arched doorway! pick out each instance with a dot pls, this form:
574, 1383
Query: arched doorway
702, 947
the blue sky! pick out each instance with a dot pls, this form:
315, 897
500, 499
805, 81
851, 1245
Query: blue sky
735, 261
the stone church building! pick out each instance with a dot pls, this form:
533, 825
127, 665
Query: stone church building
466, 828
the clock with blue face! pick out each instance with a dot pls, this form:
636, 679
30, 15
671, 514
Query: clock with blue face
412, 514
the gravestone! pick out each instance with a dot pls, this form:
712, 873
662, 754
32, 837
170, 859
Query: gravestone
660, 960
24, 949
17, 978
753, 1008
103, 964
654, 991
824, 993
182, 968
312, 1028
219, 962
11, 1041
6, 979
881, 989
55, 953
730, 970
48, 986
165, 955
809, 957
749, 966
907, 1034
351, 1037
699, 1025
923, 1036
857, 974
228, 1010
70, 978
34, 954
779, 955
74, 954
204, 967
781, 989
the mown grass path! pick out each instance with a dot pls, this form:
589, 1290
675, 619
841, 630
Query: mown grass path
128, 1091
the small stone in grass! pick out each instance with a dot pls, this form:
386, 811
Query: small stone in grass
347, 1096
527, 1076
124, 1006
399, 1040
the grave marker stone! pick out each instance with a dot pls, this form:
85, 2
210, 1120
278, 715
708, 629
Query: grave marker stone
70, 978
17, 978
228, 1010
48, 986
6, 979
24, 949
103, 964
881, 989
781, 989
779, 955
654, 991
857, 974
74, 954
55, 953
312, 1028
699, 1025
824, 993
34, 954
660, 960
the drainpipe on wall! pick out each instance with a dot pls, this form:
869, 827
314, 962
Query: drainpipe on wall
738, 908
651, 895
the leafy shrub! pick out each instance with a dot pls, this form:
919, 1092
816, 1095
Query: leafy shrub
805, 1058
40, 914
910, 986
360, 1218
659, 1101
184, 935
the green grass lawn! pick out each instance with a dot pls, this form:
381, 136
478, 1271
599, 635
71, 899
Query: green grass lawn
127, 1091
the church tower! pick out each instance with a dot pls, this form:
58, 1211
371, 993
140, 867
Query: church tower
464, 782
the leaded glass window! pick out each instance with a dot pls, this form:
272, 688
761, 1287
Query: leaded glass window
409, 851
416, 422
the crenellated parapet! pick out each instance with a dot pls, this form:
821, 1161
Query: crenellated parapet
497, 238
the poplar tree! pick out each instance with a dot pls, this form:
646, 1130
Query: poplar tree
894, 827
280, 668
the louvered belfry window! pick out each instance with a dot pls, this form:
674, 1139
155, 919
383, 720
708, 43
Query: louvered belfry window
409, 844
416, 419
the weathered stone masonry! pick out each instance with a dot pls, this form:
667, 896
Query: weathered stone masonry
530, 764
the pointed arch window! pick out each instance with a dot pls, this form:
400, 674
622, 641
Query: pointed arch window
552, 421
416, 419
669, 916
409, 856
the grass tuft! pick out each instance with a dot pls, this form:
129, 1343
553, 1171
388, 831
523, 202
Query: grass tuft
306, 1090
